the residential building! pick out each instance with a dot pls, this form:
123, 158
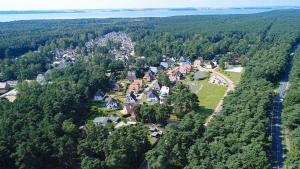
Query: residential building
199, 62
131, 76
111, 104
131, 98
165, 91
104, 120
185, 68
164, 65
99, 96
149, 76
4, 87
152, 96
154, 70
133, 88
156, 86
41, 79
116, 87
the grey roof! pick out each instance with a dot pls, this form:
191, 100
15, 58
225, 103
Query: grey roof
200, 75
101, 120
164, 64
131, 75
182, 59
99, 93
104, 120
154, 69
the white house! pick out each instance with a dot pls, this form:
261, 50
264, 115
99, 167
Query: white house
112, 104
164, 91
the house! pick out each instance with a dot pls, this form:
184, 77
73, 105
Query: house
213, 63
179, 76
200, 75
111, 104
4, 86
149, 76
185, 68
99, 96
128, 109
41, 79
165, 91
181, 59
133, 88
173, 78
138, 82
236, 59
104, 120
156, 86
116, 87
153, 97
131, 99
131, 76
164, 65
101, 121
154, 70
122, 124
198, 62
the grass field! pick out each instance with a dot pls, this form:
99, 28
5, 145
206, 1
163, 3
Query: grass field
235, 77
209, 97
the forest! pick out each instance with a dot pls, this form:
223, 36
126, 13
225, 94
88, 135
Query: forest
291, 115
41, 128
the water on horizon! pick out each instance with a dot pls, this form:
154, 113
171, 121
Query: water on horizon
80, 14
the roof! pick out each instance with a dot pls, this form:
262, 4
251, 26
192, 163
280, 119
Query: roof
153, 94
181, 59
200, 75
131, 75
138, 82
156, 85
102, 120
111, 100
3, 85
99, 93
164, 64
154, 69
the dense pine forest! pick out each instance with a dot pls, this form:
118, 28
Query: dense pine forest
41, 128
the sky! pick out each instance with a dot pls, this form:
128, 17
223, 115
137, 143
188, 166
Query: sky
111, 4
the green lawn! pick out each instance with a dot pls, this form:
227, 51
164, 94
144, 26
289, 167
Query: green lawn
209, 97
235, 77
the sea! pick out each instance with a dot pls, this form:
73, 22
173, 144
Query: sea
7, 16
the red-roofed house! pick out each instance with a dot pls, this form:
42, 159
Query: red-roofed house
185, 68
4, 86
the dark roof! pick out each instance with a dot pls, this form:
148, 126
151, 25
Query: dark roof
99, 93
153, 94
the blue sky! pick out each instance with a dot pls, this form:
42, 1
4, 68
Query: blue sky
108, 4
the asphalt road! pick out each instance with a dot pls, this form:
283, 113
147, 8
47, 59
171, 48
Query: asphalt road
276, 125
